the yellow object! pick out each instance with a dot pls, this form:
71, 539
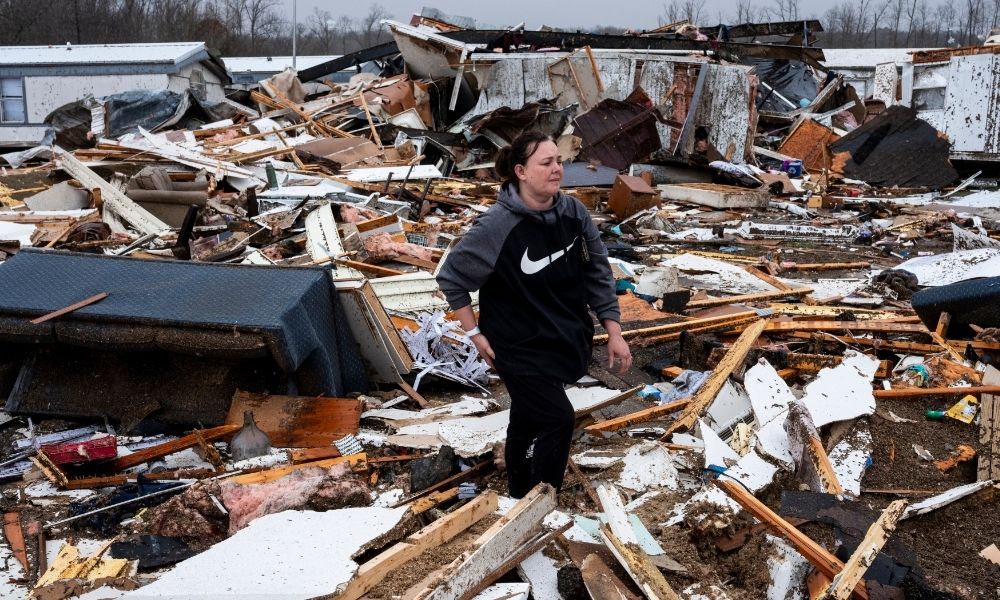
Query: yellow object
964, 410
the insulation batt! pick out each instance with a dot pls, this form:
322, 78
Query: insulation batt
311, 488
382, 247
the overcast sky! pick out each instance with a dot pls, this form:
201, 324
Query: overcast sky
636, 14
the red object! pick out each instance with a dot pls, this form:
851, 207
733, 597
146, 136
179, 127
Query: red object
81, 452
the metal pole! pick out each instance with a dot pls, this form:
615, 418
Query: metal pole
295, 30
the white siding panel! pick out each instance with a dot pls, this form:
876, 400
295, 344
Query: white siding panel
45, 94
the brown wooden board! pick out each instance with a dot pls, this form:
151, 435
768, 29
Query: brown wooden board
298, 421
989, 429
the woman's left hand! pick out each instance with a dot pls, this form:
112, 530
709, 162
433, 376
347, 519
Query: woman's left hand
618, 349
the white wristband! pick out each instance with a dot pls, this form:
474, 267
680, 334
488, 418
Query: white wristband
473, 332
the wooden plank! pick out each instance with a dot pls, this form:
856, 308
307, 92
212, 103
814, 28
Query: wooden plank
585, 482
733, 326
619, 537
937, 391
68, 309
521, 554
159, 451
825, 266
877, 326
431, 536
412, 393
601, 582
641, 416
747, 298
706, 394
426, 503
989, 429
356, 462
813, 463
301, 455
876, 537
679, 327
494, 546
363, 266
14, 534
476, 469
828, 564
298, 421
583, 412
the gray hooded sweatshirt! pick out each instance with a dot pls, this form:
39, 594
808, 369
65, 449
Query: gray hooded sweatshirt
537, 273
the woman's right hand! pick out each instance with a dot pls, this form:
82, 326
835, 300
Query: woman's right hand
485, 350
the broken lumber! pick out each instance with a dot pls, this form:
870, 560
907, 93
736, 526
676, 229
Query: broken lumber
14, 534
746, 298
641, 416
494, 546
825, 562
298, 421
68, 309
680, 326
476, 469
437, 533
989, 429
583, 412
876, 326
707, 392
601, 582
412, 393
811, 460
619, 537
355, 462
530, 547
159, 451
114, 199
937, 391
854, 570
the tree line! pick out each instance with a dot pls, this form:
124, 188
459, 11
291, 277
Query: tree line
261, 27
862, 23
232, 27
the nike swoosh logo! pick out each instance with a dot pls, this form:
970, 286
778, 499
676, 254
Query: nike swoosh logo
530, 267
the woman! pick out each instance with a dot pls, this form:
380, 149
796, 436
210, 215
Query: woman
538, 262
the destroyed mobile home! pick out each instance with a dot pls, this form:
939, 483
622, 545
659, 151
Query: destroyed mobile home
228, 370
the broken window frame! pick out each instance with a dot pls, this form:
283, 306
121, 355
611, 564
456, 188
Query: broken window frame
6, 97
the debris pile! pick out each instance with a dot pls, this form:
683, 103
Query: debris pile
227, 366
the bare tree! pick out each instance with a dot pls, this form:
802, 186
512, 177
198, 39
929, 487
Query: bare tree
371, 24
679, 10
783, 10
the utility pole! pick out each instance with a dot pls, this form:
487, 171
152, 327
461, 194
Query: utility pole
295, 30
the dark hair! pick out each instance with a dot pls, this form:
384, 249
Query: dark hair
518, 153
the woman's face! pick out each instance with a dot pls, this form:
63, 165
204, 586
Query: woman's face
541, 175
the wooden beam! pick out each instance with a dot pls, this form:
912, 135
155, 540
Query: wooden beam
678, 327
812, 462
14, 534
989, 429
477, 469
707, 392
878, 326
356, 462
825, 266
876, 537
825, 562
412, 393
641, 416
584, 412
363, 266
601, 582
738, 324
747, 298
519, 556
937, 391
492, 548
434, 500
619, 537
585, 482
159, 451
68, 309
439, 532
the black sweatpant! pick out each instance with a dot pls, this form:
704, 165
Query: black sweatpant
540, 414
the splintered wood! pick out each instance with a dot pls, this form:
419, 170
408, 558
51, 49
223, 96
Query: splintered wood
707, 392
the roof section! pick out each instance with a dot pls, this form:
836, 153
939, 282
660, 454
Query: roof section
273, 64
100, 54
859, 58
